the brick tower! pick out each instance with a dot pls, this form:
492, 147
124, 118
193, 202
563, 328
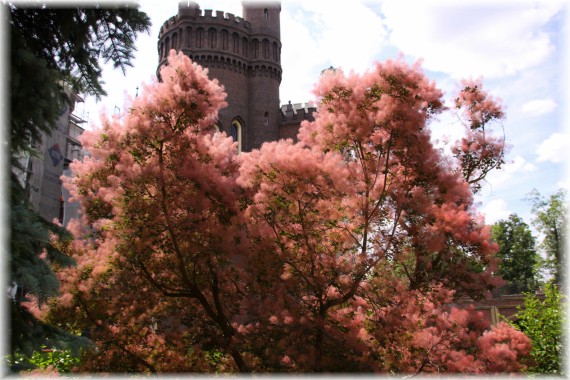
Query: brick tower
244, 54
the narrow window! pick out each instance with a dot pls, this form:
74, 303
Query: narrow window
188, 36
237, 134
236, 43
266, 119
265, 49
266, 13
61, 209
254, 48
212, 38
275, 52
244, 47
199, 36
224, 39
175, 41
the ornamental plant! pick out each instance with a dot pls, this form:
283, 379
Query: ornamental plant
542, 321
339, 253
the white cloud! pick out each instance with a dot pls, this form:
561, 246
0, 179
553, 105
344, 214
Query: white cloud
120, 87
495, 210
538, 107
473, 38
299, 73
564, 184
349, 40
511, 168
555, 148
318, 34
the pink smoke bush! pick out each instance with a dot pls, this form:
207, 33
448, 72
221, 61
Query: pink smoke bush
339, 253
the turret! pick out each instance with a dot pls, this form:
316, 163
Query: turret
244, 54
188, 9
264, 17
265, 76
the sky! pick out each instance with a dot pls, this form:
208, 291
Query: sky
518, 48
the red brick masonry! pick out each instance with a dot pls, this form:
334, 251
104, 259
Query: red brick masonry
505, 305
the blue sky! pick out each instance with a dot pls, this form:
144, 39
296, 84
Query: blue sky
519, 48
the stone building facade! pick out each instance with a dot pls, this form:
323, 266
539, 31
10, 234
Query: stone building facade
42, 177
244, 54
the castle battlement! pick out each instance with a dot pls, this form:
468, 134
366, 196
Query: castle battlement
192, 12
244, 55
253, 38
297, 112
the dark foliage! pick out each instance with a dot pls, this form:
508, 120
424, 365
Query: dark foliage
517, 254
54, 53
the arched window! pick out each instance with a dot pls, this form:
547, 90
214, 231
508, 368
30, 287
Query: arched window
224, 36
237, 134
275, 52
266, 13
235, 38
266, 119
199, 37
188, 36
254, 48
175, 41
212, 38
244, 47
265, 49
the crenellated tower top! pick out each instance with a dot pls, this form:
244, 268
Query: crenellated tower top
244, 54
251, 44
191, 11
263, 17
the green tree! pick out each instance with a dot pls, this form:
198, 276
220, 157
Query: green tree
550, 216
542, 322
54, 52
54, 49
517, 253
31, 275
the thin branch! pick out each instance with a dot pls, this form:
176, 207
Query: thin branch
166, 291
